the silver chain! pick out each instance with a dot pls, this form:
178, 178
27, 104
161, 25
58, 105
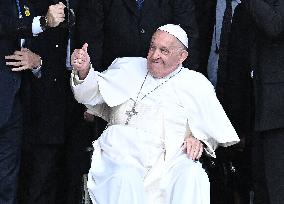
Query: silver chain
133, 112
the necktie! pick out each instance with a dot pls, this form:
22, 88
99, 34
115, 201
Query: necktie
225, 36
19, 9
139, 4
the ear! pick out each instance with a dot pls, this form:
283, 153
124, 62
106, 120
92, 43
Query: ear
183, 56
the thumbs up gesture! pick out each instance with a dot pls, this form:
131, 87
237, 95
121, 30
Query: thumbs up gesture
80, 61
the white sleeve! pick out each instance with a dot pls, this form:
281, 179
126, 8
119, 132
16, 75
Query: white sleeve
207, 118
86, 91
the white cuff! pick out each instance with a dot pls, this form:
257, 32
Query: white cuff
37, 70
36, 28
75, 78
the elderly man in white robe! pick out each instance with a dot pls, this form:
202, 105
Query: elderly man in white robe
159, 116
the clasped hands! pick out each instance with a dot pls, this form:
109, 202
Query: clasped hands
23, 59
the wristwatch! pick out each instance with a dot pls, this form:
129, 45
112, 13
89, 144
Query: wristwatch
38, 67
43, 22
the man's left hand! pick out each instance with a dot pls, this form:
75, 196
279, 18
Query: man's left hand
23, 59
193, 148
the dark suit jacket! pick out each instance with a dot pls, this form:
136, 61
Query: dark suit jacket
268, 62
12, 29
116, 28
45, 98
234, 84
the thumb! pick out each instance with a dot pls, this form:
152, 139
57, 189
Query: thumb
85, 47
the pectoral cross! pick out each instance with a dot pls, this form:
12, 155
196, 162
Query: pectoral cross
130, 114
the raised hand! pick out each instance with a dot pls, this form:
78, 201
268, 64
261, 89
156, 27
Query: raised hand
80, 61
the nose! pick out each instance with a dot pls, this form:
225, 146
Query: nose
155, 54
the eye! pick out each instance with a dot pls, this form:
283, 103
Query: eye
152, 47
165, 51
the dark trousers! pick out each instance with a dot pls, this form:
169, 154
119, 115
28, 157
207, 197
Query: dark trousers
52, 173
76, 161
41, 173
10, 145
229, 176
268, 167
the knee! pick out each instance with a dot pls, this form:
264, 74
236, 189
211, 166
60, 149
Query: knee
190, 184
192, 172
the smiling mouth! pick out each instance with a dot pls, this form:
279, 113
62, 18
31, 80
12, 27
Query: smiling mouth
155, 62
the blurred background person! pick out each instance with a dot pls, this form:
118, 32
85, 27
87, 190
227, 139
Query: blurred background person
229, 71
267, 59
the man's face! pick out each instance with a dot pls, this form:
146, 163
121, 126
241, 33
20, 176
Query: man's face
165, 54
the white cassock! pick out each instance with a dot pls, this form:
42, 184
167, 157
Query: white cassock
144, 162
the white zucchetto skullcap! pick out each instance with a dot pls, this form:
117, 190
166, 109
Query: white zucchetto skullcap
176, 31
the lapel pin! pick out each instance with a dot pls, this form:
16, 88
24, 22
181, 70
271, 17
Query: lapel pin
27, 11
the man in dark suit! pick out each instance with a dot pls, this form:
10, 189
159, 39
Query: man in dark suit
251, 90
51, 117
122, 28
267, 58
17, 22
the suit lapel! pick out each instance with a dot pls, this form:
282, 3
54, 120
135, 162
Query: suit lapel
15, 9
131, 4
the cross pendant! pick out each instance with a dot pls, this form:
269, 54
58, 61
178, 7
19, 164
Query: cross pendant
130, 114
